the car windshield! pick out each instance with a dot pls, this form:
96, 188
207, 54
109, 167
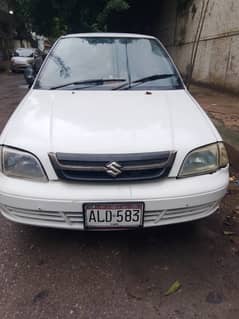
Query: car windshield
24, 53
98, 60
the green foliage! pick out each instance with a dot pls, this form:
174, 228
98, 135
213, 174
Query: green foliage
110, 7
23, 8
183, 5
22, 17
58, 27
55, 17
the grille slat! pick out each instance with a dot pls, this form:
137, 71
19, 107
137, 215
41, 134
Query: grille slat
112, 167
164, 215
32, 216
38, 213
189, 213
47, 216
186, 209
170, 215
149, 214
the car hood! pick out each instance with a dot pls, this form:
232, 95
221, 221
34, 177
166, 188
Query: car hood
100, 122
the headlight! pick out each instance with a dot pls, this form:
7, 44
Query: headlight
204, 160
21, 164
223, 157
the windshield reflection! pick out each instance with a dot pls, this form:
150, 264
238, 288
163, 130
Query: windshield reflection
78, 59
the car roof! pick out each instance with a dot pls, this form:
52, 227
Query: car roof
107, 34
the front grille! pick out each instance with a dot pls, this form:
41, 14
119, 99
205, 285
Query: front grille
111, 168
72, 219
175, 215
75, 220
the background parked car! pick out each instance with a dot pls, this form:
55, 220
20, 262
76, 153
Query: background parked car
22, 58
33, 68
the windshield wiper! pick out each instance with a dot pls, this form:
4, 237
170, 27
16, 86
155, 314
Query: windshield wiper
145, 79
94, 82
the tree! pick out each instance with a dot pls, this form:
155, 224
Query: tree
112, 6
22, 17
56, 17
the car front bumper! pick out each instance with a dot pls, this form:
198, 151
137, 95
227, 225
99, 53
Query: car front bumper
60, 205
19, 67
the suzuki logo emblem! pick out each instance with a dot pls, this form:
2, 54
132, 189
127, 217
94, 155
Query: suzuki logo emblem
113, 169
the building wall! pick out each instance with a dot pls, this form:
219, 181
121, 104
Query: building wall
4, 5
217, 62
6, 27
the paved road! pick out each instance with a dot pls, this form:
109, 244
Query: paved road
49, 274
223, 109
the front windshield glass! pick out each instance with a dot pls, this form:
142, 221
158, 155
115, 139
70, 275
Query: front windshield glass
125, 60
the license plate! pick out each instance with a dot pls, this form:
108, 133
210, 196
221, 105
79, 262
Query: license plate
114, 215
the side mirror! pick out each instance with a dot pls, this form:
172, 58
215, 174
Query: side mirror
29, 75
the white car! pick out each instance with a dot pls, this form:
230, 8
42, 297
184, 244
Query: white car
108, 137
22, 58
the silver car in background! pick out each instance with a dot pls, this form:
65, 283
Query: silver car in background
22, 58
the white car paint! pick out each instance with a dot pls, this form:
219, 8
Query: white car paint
110, 122
24, 58
62, 121
20, 63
